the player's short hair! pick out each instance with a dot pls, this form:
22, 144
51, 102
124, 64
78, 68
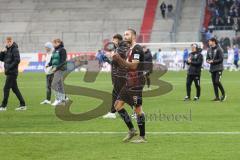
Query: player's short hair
132, 31
9, 38
118, 36
213, 40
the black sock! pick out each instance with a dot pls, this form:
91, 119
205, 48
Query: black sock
123, 113
141, 124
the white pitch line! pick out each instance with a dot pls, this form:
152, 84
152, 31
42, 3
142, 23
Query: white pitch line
114, 133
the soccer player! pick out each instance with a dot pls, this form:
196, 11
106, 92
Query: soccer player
195, 61
131, 93
49, 75
215, 59
11, 58
118, 74
58, 61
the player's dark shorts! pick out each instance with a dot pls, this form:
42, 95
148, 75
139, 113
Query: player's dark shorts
131, 96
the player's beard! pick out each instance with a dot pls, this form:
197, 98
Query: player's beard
130, 40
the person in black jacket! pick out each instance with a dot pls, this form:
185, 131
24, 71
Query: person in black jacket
118, 75
148, 65
58, 63
11, 58
194, 61
215, 59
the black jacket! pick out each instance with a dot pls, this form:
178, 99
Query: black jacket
148, 61
215, 54
11, 59
196, 63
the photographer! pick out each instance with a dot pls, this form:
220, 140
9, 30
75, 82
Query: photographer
195, 62
11, 58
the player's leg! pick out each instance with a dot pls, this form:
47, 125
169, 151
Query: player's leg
198, 87
111, 114
17, 92
6, 90
48, 89
140, 119
215, 86
189, 81
220, 86
148, 80
58, 87
119, 106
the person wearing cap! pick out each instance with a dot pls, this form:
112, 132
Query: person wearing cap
49, 75
194, 61
215, 59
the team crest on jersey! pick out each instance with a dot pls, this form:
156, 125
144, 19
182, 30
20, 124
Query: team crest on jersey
136, 56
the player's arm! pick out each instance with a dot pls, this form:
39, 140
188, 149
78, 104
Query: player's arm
208, 59
129, 65
2, 55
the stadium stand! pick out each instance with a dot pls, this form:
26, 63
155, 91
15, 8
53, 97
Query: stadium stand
80, 24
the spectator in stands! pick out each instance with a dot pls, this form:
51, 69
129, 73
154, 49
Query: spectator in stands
185, 57
163, 8
170, 10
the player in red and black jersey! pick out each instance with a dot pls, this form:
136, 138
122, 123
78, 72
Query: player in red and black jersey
131, 93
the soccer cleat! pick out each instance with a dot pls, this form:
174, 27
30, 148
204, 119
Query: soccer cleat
223, 98
132, 133
21, 108
56, 102
46, 102
139, 140
110, 115
187, 98
2, 109
216, 100
196, 98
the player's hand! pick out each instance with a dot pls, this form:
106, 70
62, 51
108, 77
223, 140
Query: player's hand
3, 50
110, 54
210, 61
54, 69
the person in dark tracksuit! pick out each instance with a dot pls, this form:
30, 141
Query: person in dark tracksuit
11, 58
148, 65
195, 61
215, 59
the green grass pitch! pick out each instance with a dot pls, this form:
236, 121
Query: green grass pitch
219, 120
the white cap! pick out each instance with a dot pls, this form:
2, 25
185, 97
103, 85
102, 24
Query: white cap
49, 45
